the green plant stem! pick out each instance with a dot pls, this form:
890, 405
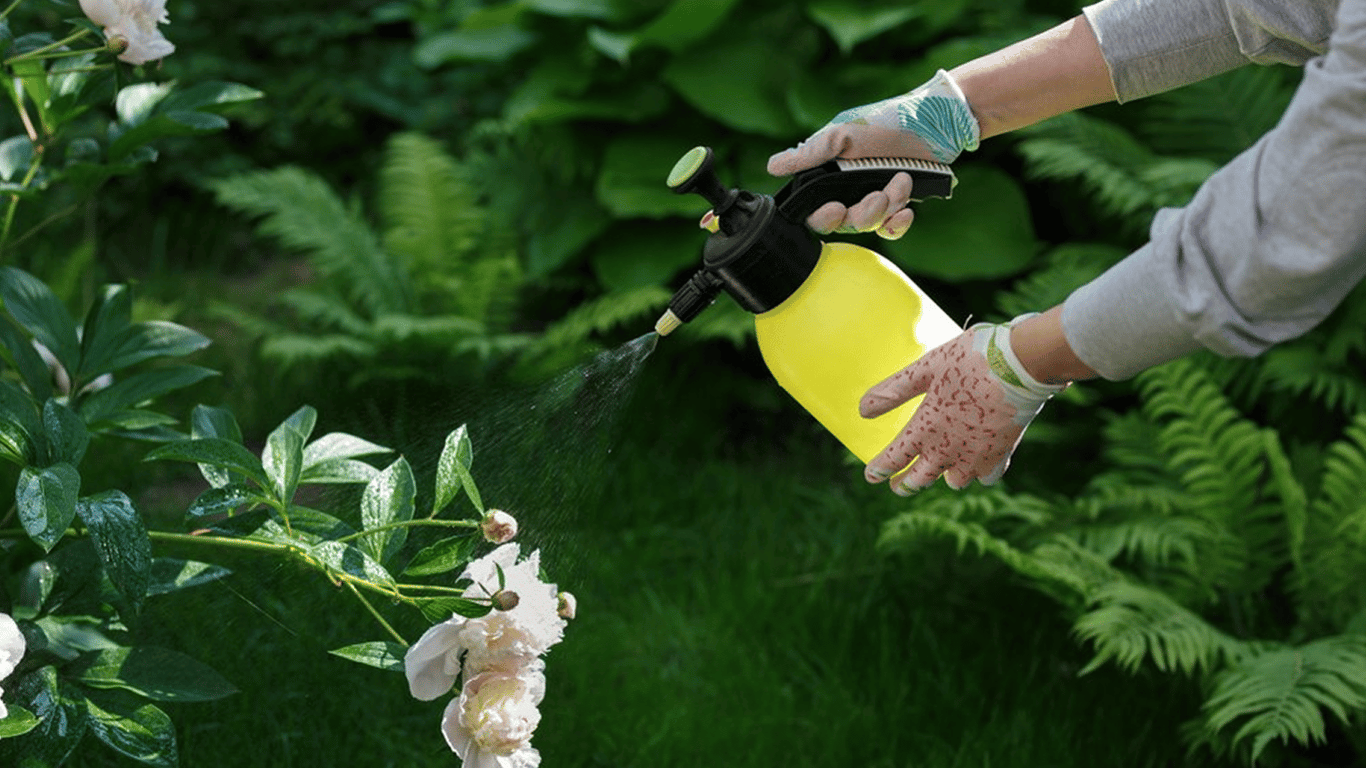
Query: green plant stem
433, 588
14, 199
5, 13
387, 627
410, 524
37, 53
221, 541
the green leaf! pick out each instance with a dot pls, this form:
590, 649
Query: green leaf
67, 436
46, 499
346, 559
217, 452
634, 256
222, 501
442, 608
465, 45
18, 722
948, 242
16, 349
33, 75
593, 9
283, 456
30, 302
120, 538
21, 426
388, 499
70, 636
683, 24
172, 575
206, 421
136, 103
339, 445
208, 96
631, 179
384, 655
109, 316
442, 557
144, 341
453, 471
61, 721
161, 126
133, 727
850, 23
139, 388
155, 673
756, 103
339, 471
16, 155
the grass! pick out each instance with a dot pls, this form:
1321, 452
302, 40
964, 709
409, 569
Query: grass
732, 612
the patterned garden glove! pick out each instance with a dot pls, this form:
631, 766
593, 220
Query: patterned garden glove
932, 122
978, 401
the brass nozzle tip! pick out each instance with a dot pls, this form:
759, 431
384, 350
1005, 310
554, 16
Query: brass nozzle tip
667, 323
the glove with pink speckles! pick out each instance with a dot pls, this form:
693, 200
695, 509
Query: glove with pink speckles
978, 401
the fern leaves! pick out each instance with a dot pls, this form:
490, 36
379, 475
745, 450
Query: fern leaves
1280, 694
300, 210
1130, 623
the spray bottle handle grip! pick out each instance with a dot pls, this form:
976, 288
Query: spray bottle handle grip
849, 181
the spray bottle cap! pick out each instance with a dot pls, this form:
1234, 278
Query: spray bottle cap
761, 251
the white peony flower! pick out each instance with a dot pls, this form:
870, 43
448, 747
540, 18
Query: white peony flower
525, 630
491, 723
498, 526
433, 663
134, 22
12, 647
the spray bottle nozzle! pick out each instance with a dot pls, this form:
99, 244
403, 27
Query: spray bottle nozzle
695, 173
695, 295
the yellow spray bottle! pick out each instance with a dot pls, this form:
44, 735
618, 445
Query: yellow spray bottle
832, 319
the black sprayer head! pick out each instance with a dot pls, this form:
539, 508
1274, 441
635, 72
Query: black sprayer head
761, 251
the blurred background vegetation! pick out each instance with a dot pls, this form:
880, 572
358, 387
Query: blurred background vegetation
441, 202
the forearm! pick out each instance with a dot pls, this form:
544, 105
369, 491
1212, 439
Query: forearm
1042, 349
1056, 71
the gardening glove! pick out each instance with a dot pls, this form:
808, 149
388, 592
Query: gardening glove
932, 122
978, 401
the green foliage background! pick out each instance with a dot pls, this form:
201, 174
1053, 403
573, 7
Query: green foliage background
1201, 522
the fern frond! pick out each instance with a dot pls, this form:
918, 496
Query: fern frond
429, 206
1220, 459
1304, 371
1152, 539
604, 314
1065, 269
313, 307
299, 209
1130, 622
1330, 583
1104, 157
1219, 117
1280, 694
294, 349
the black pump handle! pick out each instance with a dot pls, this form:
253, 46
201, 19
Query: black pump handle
849, 181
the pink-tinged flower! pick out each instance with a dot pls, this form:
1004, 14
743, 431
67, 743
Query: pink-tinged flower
498, 526
12, 647
491, 723
135, 23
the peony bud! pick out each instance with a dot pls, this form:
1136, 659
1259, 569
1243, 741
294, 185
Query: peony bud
506, 600
116, 44
498, 526
568, 605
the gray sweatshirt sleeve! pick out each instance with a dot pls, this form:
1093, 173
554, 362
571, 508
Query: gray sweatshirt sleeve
1268, 246
1152, 46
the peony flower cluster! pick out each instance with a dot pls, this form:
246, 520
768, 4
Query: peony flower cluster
132, 26
12, 647
497, 657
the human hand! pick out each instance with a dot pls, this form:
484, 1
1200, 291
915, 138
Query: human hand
933, 122
978, 401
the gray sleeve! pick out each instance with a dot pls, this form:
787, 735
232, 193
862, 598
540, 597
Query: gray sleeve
1152, 46
1268, 246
